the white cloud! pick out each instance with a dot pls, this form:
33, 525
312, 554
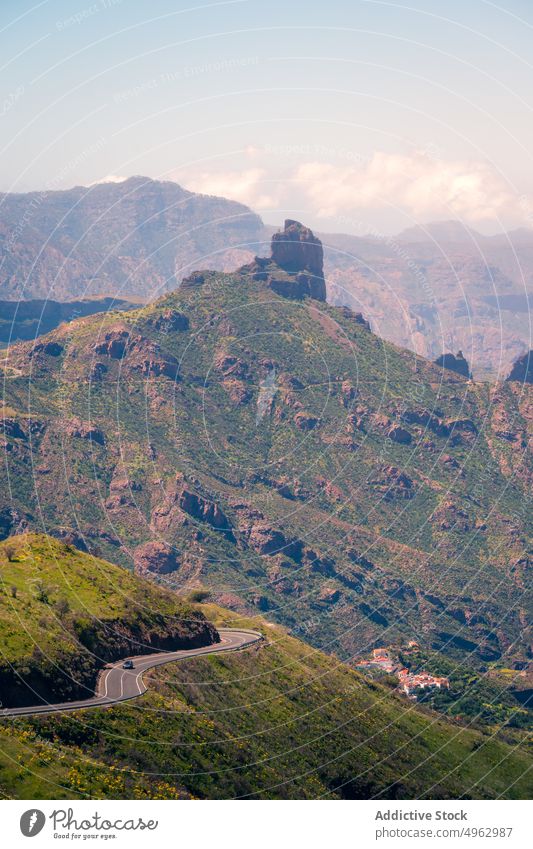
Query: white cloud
417, 183
111, 178
250, 186
422, 185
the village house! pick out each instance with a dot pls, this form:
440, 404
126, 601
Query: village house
381, 660
420, 681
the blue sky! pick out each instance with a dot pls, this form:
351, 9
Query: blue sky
352, 115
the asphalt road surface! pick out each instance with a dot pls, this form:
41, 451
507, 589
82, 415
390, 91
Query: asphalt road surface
116, 684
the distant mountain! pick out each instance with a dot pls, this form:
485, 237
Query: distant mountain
454, 232
244, 434
136, 238
440, 288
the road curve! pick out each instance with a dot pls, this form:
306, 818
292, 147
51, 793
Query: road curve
116, 684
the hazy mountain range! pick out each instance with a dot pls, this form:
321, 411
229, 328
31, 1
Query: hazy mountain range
444, 287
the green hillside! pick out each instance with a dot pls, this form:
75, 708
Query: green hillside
242, 435
63, 614
276, 721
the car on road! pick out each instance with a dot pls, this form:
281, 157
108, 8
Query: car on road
128, 664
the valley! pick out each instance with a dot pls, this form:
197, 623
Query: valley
377, 495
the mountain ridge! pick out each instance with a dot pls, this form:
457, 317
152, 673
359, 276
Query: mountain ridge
245, 436
431, 295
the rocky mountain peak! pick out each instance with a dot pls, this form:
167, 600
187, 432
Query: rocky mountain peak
295, 268
297, 249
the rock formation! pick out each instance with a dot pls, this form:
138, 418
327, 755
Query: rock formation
295, 268
522, 369
457, 363
297, 249
156, 557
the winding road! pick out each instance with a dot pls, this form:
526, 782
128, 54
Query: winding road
116, 684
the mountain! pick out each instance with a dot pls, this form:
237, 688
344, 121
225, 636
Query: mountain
132, 239
440, 288
243, 434
451, 232
279, 720
29, 319
64, 613
434, 289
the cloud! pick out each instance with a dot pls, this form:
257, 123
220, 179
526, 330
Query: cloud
111, 178
421, 184
250, 186
417, 183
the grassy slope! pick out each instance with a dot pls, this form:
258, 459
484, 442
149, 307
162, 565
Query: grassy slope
61, 609
280, 721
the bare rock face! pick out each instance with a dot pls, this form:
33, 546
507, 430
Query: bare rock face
83, 430
355, 422
51, 349
425, 419
234, 372
237, 391
114, 343
12, 522
394, 484
400, 435
170, 321
156, 558
357, 317
297, 249
262, 536
204, 510
328, 595
457, 363
522, 369
305, 421
140, 353
299, 254
349, 393
451, 517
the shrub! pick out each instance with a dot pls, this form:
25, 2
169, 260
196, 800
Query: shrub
11, 551
41, 593
198, 595
62, 607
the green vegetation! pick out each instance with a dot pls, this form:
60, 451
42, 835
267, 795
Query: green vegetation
475, 696
280, 720
425, 536
64, 613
